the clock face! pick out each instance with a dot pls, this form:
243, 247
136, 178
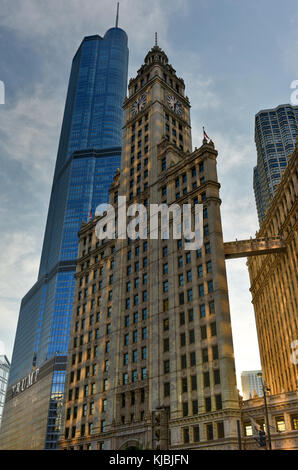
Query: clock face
175, 105
139, 104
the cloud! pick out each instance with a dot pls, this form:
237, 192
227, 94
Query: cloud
19, 259
44, 37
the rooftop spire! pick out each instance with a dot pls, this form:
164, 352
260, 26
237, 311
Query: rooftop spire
155, 39
117, 16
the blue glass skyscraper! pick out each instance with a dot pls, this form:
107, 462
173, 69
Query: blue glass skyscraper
275, 136
89, 154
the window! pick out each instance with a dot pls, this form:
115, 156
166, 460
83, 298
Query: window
191, 336
294, 421
186, 434
205, 354
213, 329
208, 403
166, 345
196, 433
195, 407
202, 311
211, 307
190, 315
192, 358
280, 423
210, 287
216, 374
248, 430
203, 332
104, 405
206, 379
166, 366
185, 408
166, 389
193, 379
201, 290
220, 430
215, 352
183, 362
218, 402
144, 313
182, 340
184, 385
165, 268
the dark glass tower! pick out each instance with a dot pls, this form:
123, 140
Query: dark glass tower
89, 154
275, 137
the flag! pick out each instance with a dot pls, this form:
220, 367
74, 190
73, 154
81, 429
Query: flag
90, 215
256, 426
205, 135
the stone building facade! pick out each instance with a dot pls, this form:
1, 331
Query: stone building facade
282, 417
274, 288
151, 362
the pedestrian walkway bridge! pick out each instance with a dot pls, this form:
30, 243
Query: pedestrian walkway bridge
253, 247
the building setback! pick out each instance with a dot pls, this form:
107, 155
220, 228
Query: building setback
89, 153
151, 361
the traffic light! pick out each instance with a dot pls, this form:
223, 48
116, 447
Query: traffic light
160, 429
262, 438
156, 429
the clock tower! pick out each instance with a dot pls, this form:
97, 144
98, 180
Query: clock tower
155, 110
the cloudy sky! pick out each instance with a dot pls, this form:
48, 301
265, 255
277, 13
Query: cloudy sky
236, 57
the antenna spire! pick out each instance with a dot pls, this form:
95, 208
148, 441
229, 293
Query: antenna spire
117, 16
155, 39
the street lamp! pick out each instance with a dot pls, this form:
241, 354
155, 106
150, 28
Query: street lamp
265, 390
